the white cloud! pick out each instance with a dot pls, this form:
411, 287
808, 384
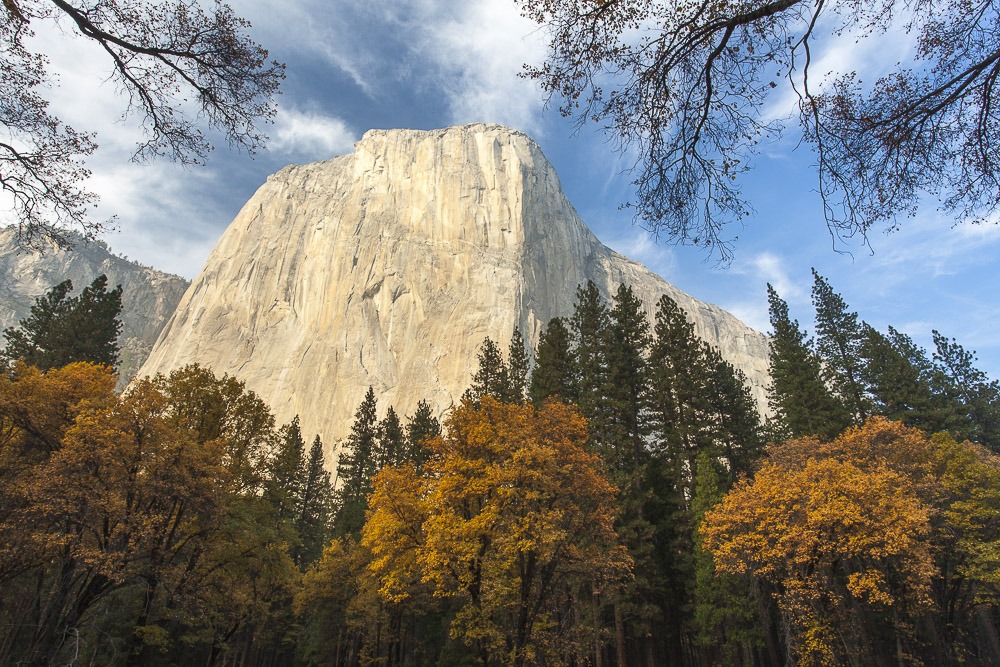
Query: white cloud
310, 135
479, 53
767, 267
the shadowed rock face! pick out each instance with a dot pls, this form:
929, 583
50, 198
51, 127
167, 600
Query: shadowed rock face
148, 296
389, 266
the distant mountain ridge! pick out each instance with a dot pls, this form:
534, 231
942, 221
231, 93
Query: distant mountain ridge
149, 297
390, 266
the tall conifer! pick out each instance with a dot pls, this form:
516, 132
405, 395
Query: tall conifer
62, 329
801, 401
421, 426
589, 327
554, 373
626, 390
840, 336
679, 399
517, 369
969, 391
899, 376
391, 440
490, 378
315, 507
356, 467
287, 469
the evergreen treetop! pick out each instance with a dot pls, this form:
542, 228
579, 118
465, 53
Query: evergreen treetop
555, 369
840, 336
800, 399
62, 329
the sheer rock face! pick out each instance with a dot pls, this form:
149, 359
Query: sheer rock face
390, 266
148, 296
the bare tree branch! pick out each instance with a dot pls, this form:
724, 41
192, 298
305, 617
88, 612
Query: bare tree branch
161, 55
686, 81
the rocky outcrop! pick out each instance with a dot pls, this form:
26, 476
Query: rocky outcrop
148, 296
389, 266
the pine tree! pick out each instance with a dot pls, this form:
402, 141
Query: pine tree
420, 427
391, 440
734, 421
626, 393
839, 338
554, 372
899, 376
356, 468
685, 409
801, 401
589, 327
517, 369
724, 615
286, 470
315, 508
679, 369
491, 377
62, 329
969, 390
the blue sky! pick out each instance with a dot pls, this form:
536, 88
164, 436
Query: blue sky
432, 63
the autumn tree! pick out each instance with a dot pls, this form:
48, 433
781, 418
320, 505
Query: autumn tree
877, 543
513, 521
161, 56
140, 504
690, 88
62, 329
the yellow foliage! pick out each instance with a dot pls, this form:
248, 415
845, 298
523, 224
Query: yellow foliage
858, 526
512, 517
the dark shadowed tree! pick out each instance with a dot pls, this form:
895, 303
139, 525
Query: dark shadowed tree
555, 371
589, 326
490, 378
315, 510
839, 338
62, 329
977, 397
356, 468
517, 369
391, 440
801, 401
626, 393
421, 426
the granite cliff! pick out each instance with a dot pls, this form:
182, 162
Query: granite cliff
390, 265
148, 296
